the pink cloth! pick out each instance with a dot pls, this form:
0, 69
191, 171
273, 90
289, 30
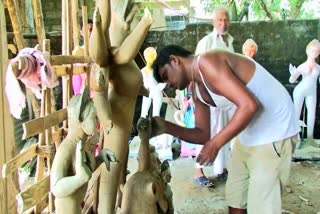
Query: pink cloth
37, 70
78, 82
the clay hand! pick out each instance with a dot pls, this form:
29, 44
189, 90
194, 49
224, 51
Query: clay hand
158, 125
208, 154
292, 69
82, 170
107, 156
147, 16
144, 128
96, 16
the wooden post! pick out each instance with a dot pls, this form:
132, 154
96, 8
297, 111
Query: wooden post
38, 18
8, 190
16, 22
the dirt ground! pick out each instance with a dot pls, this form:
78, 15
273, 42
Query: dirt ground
192, 199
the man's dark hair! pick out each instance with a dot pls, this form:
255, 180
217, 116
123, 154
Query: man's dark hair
90, 21
164, 58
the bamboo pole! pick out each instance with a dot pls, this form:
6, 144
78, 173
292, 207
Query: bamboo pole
85, 28
38, 18
69, 28
16, 22
69, 59
8, 189
75, 23
64, 21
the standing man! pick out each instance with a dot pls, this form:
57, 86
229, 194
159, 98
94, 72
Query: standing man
219, 38
264, 119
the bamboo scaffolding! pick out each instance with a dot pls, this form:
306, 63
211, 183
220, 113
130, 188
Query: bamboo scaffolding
8, 188
13, 10
38, 18
75, 23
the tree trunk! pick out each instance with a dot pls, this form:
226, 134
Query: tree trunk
265, 8
296, 12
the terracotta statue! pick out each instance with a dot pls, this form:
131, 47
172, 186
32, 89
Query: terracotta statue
114, 47
306, 90
74, 161
250, 48
145, 190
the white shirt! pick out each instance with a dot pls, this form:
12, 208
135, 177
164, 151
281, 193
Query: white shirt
214, 41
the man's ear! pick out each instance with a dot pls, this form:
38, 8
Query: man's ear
174, 59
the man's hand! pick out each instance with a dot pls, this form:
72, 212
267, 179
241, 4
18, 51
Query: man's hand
107, 156
144, 128
158, 126
208, 153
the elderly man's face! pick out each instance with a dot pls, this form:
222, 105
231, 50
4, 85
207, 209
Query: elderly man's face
221, 22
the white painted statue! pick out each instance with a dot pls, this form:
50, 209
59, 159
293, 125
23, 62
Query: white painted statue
149, 82
306, 90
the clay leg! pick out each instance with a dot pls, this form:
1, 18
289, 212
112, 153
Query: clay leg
311, 103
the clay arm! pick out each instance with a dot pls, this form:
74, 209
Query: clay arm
198, 135
61, 184
295, 73
131, 45
144, 131
99, 40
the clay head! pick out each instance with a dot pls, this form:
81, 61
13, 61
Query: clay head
249, 48
313, 48
165, 171
150, 54
220, 20
81, 111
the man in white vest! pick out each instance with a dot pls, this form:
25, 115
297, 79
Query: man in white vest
219, 38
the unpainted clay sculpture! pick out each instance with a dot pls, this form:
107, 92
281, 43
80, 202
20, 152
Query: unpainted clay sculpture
250, 48
118, 84
166, 178
306, 90
144, 192
74, 161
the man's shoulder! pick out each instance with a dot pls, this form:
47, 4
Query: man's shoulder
206, 37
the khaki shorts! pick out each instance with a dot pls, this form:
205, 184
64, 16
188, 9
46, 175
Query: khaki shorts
256, 174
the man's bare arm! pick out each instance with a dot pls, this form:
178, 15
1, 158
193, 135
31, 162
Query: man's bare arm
198, 135
222, 79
